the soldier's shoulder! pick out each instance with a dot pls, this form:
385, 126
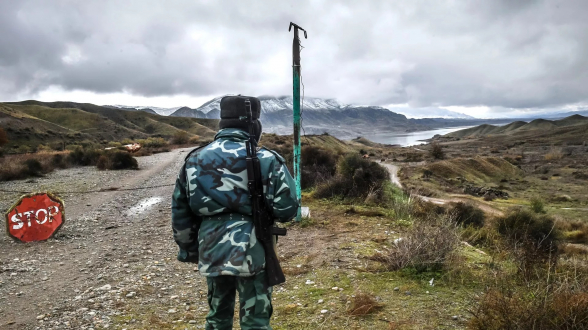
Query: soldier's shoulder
195, 151
267, 153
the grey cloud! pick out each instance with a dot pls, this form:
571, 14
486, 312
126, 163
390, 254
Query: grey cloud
501, 54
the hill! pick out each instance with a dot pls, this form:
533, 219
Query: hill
537, 126
32, 123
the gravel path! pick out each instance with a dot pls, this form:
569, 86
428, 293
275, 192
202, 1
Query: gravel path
113, 245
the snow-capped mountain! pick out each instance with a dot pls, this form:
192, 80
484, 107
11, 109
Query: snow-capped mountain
272, 104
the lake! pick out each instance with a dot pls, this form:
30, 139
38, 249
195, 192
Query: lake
406, 139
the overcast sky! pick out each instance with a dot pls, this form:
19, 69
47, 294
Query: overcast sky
483, 58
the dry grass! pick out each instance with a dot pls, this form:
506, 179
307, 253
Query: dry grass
575, 250
574, 231
542, 307
293, 271
15, 167
555, 153
427, 246
475, 169
363, 304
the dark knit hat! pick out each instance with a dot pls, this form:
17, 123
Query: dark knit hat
233, 111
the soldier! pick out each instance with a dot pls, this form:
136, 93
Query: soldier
211, 217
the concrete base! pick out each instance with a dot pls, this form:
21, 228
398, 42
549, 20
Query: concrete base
305, 212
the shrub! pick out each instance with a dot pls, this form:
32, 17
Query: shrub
466, 214
24, 149
356, 178
153, 142
84, 157
117, 160
33, 167
317, 166
533, 238
427, 246
42, 147
437, 151
180, 137
537, 205
57, 160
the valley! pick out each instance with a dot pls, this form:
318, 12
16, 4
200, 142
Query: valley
395, 232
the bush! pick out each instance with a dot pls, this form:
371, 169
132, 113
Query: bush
58, 161
466, 214
117, 160
356, 178
427, 246
24, 149
33, 167
180, 137
533, 238
83, 157
437, 151
318, 165
42, 147
537, 205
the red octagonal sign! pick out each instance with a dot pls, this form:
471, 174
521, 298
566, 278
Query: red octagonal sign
35, 217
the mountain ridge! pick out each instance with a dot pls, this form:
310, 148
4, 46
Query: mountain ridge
519, 127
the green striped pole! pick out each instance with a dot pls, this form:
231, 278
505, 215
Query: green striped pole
297, 144
296, 106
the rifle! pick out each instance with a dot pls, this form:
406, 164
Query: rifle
263, 219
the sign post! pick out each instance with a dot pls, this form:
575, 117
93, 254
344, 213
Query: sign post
296, 106
35, 217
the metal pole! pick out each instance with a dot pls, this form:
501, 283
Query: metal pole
296, 106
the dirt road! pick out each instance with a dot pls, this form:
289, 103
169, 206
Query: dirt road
393, 170
106, 248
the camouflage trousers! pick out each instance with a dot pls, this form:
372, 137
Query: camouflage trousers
255, 302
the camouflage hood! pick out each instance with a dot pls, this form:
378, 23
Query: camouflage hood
211, 207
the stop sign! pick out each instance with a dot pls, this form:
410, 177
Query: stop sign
35, 217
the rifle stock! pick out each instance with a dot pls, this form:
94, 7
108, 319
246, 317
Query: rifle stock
263, 220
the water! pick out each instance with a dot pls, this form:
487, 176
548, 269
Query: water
406, 139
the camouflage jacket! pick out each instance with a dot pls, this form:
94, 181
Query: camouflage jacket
211, 207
